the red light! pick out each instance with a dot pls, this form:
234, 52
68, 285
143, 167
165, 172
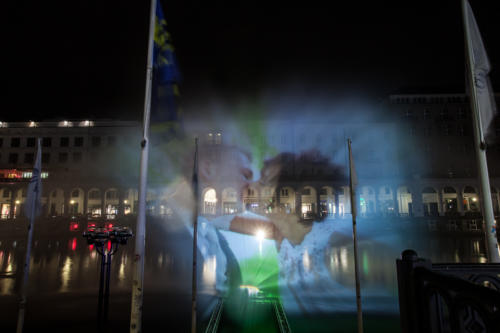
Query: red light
91, 247
109, 245
110, 225
72, 244
73, 226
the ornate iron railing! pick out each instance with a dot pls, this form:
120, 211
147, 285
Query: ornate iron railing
447, 297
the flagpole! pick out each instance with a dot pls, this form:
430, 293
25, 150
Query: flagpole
26, 268
140, 239
355, 239
487, 206
195, 237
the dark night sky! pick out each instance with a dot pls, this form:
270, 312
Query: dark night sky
86, 58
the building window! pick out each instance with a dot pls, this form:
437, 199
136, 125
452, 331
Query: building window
75, 194
64, 142
427, 114
30, 142
95, 156
47, 142
111, 195
45, 158
111, 140
443, 113
428, 131
446, 129
461, 130
15, 142
284, 192
13, 158
77, 157
460, 113
94, 194
96, 141
323, 191
413, 130
218, 138
78, 141
6, 193
1, 142
63, 157
29, 158
306, 191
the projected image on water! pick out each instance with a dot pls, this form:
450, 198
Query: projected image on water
275, 217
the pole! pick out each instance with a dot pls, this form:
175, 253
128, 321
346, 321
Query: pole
479, 143
22, 302
101, 288
355, 239
140, 240
26, 268
195, 237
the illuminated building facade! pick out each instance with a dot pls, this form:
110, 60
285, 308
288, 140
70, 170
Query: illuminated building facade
80, 171
418, 160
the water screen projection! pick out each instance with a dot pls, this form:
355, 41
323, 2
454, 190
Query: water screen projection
274, 210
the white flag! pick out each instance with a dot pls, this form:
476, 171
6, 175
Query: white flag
35, 186
480, 67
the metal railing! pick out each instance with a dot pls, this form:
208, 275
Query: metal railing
447, 297
213, 324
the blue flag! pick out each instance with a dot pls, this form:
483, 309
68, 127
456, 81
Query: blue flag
166, 74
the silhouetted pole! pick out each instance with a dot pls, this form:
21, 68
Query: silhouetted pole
353, 181
34, 189
140, 240
477, 71
195, 236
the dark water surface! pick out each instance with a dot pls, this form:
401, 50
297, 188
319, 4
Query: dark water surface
64, 281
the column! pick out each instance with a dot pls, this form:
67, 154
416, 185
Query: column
278, 198
218, 202
85, 202
337, 206
13, 192
120, 202
66, 205
318, 201
416, 199
440, 202
460, 202
395, 200
241, 205
298, 203
102, 194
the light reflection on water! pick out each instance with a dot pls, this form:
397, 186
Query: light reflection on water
75, 267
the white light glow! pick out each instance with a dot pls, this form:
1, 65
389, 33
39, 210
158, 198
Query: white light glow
252, 290
260, 234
